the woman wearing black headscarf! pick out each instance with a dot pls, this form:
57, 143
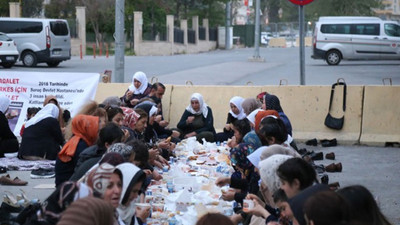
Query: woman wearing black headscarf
271, 102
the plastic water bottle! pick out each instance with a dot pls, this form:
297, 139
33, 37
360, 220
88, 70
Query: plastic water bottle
172, 221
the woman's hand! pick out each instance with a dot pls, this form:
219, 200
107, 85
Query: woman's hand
255, 198
228, 127
189, 120
236, 218
142, 212
222, 181
134, 101
163, 123
232, 143
229, 195
176, 134
158, 119
126, 135
257, 210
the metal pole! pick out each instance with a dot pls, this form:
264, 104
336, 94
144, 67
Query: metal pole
119, 63
302, 55
257, 31
228, 26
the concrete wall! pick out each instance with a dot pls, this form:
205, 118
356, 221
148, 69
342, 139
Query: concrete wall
372, 114
381, 118
15, 9
146, 48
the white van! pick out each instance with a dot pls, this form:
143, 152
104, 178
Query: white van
355, 38
39, 40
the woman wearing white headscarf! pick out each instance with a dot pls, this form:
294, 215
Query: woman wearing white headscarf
42, 136
197, 120
139, 89
8, 141
236, 113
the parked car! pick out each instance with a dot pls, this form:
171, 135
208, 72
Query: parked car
8, 51
39, 40
265, 37
355, 38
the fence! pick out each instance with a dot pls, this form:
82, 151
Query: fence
202, 33
153, 33
191, 36
213, 34
73, 27
288, 30
178, 35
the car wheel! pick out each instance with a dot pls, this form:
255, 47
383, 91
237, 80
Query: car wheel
29, 59
333, 57
7, 65
53, 64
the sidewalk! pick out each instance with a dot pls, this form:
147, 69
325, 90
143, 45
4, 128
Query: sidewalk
376, 168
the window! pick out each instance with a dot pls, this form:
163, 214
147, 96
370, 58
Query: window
10, 27
4, 37
336, 28
59, 28
366, 29
392, 30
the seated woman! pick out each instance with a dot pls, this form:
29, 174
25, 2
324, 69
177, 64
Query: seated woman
85, 129
251, 106
271, 102
42, 138
8, 141
236, 113
139, 89
108, 135
197, 120
106, 182
91, 109
132, 183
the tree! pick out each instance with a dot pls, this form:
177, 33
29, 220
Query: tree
31, 8
62, 9
101, 16
341, 8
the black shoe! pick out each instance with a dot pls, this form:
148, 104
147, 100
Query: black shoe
312, 142
328, 143
324, 179
316, 156
302, 151
3, 169
43, 173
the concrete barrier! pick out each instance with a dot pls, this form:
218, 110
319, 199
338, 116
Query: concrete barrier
372, 117
307, 107
277, 42
381, 115
307, 41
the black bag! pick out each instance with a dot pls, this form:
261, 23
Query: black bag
330, 121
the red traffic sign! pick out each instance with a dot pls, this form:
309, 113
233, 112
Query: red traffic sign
301, 2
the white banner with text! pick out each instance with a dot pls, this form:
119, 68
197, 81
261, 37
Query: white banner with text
29, 89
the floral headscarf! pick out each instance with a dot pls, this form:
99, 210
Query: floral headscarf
130, 117
239, 155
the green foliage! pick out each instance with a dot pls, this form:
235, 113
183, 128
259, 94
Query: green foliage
31, 8
61, 9
5, 8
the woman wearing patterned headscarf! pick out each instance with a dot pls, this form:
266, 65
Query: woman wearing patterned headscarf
271, 102
236, 113
139, 89
245, 178
8, 141
106, 181
85, 129
42, 137
197, 120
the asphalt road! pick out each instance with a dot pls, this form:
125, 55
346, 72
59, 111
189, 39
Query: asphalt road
231, 67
